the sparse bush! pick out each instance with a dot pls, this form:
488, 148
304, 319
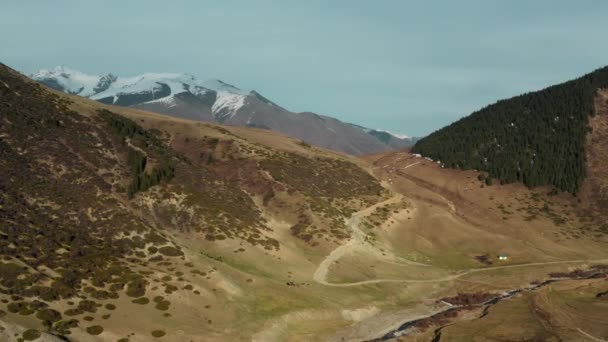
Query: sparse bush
87, 306
94, 330
163, 305
63, 327
48, 316
137, 287
158, 333
142, 301
73, 312
31, 335
170, 251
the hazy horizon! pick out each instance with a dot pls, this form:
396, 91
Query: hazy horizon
386, 66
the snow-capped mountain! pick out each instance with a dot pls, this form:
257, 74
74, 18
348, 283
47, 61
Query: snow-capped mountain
148, 89
182, 95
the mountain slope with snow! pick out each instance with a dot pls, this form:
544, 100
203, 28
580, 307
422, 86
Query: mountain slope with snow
183, 95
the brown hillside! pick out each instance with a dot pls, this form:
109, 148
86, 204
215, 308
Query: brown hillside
95, 201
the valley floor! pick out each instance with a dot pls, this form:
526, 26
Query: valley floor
428, 248
424, 257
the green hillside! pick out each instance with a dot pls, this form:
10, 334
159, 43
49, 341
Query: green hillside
537, 138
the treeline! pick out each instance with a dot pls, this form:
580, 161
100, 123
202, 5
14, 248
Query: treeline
536, 138
136, 159
142, 180
127, 128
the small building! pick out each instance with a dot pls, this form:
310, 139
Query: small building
503, 256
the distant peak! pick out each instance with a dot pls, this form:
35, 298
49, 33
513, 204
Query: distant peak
75, 76
48, 72
396, 135
105, 82
109, 76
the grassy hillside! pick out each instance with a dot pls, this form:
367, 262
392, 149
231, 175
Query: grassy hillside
91, 203
536, 138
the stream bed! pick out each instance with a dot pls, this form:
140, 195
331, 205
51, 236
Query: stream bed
451, 312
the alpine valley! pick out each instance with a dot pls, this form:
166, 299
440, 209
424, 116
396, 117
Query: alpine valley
163, 208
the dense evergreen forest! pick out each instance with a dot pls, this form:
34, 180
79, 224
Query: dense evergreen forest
537, 138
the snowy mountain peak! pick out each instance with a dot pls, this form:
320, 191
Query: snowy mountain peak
68, 80
59, 70
67, 76
104, 83
145, 88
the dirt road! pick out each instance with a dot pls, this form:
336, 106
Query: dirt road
357, 241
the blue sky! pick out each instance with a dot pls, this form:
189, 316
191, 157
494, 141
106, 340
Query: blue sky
406, 66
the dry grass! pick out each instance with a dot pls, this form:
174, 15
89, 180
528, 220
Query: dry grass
227, 249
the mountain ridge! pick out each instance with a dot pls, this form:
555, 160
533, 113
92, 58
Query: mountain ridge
213, 100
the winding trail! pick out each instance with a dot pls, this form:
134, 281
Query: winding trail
357, 241
410, 165
589, 336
